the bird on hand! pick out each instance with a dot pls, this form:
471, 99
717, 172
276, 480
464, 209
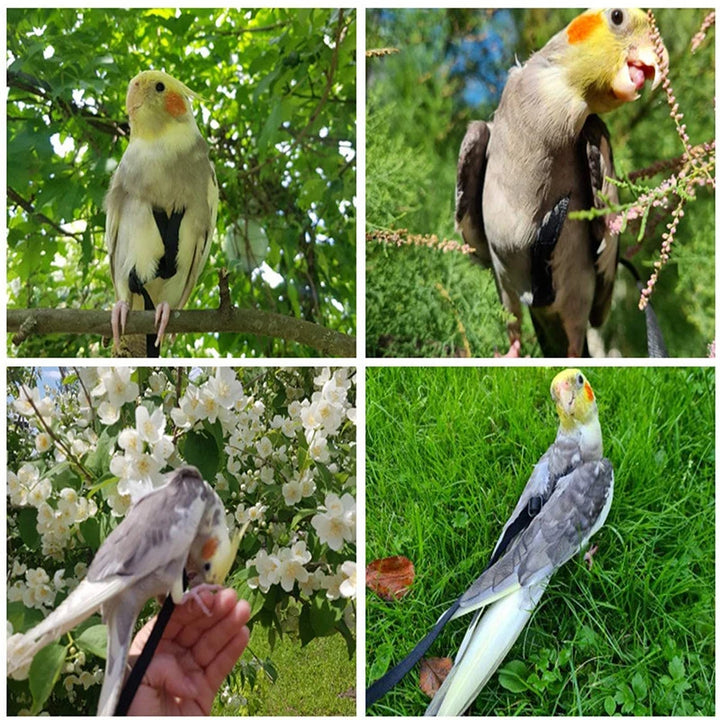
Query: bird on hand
175, 530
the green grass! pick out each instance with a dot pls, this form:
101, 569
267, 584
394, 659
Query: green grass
448, 453
318, 679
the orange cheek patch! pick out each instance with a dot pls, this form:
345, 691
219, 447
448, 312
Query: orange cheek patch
582, 27
589, 393
174, 104
208, 549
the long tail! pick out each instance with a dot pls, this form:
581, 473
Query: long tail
491, 634
120, 617
80, 604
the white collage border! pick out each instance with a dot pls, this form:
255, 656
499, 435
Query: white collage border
360, 362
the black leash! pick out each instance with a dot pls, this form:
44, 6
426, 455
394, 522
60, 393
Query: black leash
393, 676
655, 340
138, 672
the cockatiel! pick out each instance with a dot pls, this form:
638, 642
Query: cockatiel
565, 502
179, 526
161, 206
546, 154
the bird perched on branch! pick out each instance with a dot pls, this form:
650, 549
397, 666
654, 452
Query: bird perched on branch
564, 503
544, 155
178, 527
161, 206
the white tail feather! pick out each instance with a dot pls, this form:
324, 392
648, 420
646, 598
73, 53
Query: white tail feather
489, 638
82, 602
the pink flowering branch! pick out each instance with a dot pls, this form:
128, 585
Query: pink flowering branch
401, 238
699, 38
694, 168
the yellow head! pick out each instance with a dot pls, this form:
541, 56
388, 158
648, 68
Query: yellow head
156, 100
219, 555
573, 398
607, 56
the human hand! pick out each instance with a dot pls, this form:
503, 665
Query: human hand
196, 653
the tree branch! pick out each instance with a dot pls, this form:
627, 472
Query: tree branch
44, 321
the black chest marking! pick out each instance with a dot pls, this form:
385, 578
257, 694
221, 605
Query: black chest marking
169, 228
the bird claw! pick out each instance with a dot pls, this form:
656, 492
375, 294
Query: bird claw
162, 317
118, 320
194, 594
588, 557
512, 353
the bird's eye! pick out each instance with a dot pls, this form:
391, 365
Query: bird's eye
206, 567
159, 86
617, 16
580, 380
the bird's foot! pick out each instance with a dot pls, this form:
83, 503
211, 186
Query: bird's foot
162, 317
588, 557
194, 594
118, 320
512, 353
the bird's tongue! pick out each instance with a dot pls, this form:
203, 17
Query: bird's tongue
630, 80
639, 74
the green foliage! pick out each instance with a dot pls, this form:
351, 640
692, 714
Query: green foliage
277, 107
634, 634
431, 304
288, 693
417, 116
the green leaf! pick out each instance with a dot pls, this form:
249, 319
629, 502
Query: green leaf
270, 128
639, 686
98, 461
94, 640
254, 597
609, 705
676, 668
27, 527
201, 450
44, 673
513, 675
349, 637
22, 617
323, 616
90, 530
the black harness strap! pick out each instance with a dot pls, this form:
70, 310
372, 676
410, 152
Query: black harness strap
127, 695
542, 250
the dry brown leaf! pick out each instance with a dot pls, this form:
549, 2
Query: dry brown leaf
390, 578
433, 671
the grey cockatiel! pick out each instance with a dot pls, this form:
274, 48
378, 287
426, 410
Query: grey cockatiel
546, 154
180, 526
566, 500
161, 206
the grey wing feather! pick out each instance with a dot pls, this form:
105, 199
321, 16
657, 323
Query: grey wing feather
160, 526
203, 244
469, 189
596, 153
573, 513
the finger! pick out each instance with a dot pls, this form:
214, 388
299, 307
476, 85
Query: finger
224, 644
197, 624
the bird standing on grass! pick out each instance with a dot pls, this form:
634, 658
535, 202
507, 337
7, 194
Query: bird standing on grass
161, 206
546, 154
564, 503
179, 527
